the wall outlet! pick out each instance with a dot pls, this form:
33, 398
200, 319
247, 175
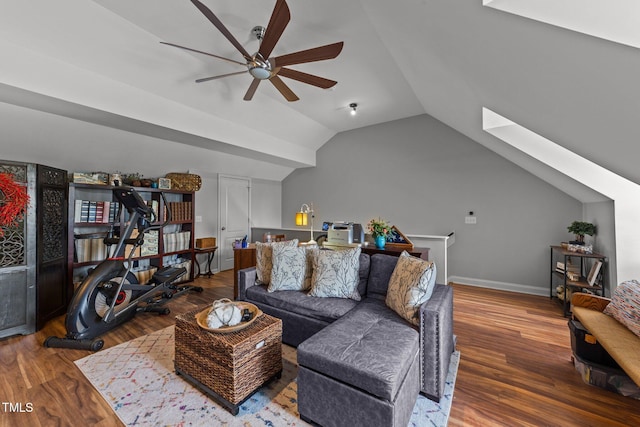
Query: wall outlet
198, 218
469, 219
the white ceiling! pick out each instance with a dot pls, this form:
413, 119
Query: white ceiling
102, 61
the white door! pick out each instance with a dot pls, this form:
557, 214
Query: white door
234, 200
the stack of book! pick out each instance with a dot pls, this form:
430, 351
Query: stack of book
174, 242
180, 211
572, 271
95, 212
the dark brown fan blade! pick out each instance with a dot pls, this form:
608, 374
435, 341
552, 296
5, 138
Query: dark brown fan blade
252, 90
220, 26
321, 53
278, 22
206, 79
204, 53
307, 78
283, 89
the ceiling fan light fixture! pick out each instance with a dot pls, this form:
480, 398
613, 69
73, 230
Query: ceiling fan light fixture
353, 107
260, 73
259, 67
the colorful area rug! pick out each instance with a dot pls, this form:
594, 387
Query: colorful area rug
138, 380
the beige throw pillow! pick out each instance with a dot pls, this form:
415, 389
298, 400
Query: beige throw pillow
264, 259
335, 274
411, 285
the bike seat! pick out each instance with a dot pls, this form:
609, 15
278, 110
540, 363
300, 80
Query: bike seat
169, 274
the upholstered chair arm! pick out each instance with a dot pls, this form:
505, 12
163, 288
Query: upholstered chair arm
436, 341
246, 279
593, 302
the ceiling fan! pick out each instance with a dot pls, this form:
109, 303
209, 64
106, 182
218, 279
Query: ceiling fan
260, 65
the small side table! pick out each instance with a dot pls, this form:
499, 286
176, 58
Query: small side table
210, 253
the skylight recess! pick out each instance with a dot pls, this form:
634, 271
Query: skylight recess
624, 193
614, 20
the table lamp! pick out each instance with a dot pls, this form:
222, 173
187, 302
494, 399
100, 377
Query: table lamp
302, 219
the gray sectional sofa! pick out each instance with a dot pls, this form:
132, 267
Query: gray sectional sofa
360, 362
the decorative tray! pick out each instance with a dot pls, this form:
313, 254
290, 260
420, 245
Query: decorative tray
201, 319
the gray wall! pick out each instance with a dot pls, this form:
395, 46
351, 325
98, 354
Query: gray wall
425, 177
604, 242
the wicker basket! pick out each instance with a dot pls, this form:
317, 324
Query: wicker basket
184, 181
229, 367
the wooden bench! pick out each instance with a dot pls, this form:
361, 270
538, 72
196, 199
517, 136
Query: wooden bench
621, 344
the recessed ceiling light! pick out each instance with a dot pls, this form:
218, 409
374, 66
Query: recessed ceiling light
353, 107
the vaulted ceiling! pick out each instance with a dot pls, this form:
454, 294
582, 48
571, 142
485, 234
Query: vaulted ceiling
102, 61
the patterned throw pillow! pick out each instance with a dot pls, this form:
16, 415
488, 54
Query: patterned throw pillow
335, 274
289, 269
625, 305
411, 285
264, 259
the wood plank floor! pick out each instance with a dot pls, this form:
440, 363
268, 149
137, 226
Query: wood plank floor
515, 368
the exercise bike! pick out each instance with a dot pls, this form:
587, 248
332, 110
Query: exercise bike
111, 295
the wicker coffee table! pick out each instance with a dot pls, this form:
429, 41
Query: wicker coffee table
229, 367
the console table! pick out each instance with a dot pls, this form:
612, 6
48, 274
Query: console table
416, 252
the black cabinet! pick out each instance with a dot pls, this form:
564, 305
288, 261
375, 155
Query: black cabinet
33, 257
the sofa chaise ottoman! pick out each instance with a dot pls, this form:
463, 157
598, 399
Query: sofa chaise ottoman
362, 370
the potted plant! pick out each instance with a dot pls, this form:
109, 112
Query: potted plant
380, 230
580, 228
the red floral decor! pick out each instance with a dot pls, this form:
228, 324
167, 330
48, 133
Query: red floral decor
15, 201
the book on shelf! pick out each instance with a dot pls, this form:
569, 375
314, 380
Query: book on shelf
84, 211
92, 211
106, 206
593, 273
99, 212
77, 212
154, 208
113, 211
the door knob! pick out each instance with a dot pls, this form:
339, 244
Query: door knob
224, 228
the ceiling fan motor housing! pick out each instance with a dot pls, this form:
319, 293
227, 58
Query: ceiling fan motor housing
258, 32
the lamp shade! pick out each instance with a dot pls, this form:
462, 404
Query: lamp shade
301, 218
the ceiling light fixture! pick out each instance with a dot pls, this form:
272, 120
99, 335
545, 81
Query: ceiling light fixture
353, 107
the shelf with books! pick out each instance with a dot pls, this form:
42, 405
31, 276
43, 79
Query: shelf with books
575, 272
87, 230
